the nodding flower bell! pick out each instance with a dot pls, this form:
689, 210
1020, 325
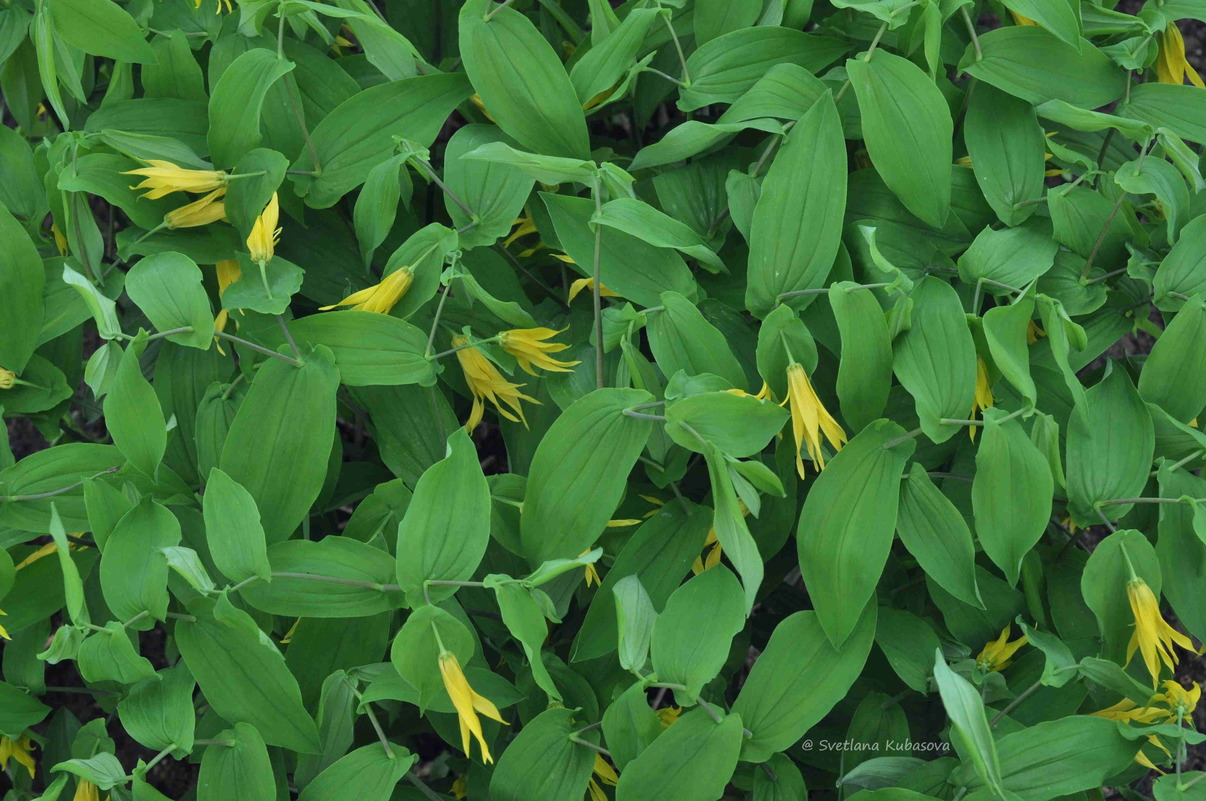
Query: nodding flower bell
810, 419
208, 209
1171, 64
467, 703
164, 178
529, 348
382, 296
997, 654
486, 382
1152, 637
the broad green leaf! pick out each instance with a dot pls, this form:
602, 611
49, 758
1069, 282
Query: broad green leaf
717, 17
522, 616
102, 28
635, 620
847, 524
520, 80
969, 723
1060, 17
1104, 586
19, 711
935, 360
370, 773
1180, 109
908, 642
865, 371
1005, 330
643, 221
799, 677
907, 127
233, 530
243, 676
52, 470
605, 64
1029, 62
935, 533
1010, 256
133, 574
102, 307
158, 711
543, 749
681, 338
1110, 444
360, 133
732, 532
579, 473
1181, 552
108, 655
331, 577
795, 231
1010, 494
370, 349
721, 70
1180, 270
167, 287
279, 440
692, 760
259, 174
447, 525
237, 764
237, 103
693, 634
495, 192
737, 425
1171, 377
415, 652
629, 725
21, 284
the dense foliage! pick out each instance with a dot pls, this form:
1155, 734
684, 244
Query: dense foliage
541, 400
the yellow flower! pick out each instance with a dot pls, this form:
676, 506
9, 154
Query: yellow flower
1180, 701
460, 787
381, 297
1018, 19
7, 378
229, 7
711, 555
60, 241
207, 210
528, 347
521, 227
18, 750
265, 233
4, 631
288, 638
1128, 711
589, 283
983, 395
228, 272
996, 654
668, 715
1033, 332
476, 99
1152, 636
467, 703
592, 574
86, 791
1171, 65
1179, 704
810, 419
485, 382
164, 178
606, 775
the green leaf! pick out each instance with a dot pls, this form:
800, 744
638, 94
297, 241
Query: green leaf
102, 28
279, 440
1170, 377
969, 723
721, 70
579, 473
103, 309
797, 680
935, 360
1111, 440
158, 711
865, 371
415, 652
233, 530
1010, 256
607, 61
1005, 330
19, 711
522, 616
795, 232
520, 80
108, 655
847, 523
738, 425
444, 534
935, 533
237, 765
693, 634
168, 289
370, 773
370, 349
908, 642
1060, 17
331, 577
237, 103
133, 574
543, 749
692, 760
1178, 108
1104, 586
243, 676
495, 192
732, 532
1010, 494
361, 132
21, 285
1180, 270
681, 338
1028, 62
657, 228
907, 127
249, 193
1007, 147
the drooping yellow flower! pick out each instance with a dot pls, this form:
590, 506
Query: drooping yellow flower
228, 272
4, 631
1152, 636
1180, 701
19, 751
229, 7
45, 550
476, 99
265, 233
668, 715
288, 638
460, 787
592, 573
1171, 64
1128, 711
589, 284
520, 228
997, 654
1018, 19
710, 556
7, 378
208, 209
486, 382
164, 178
468, 704
604, 773
1171, 706
380, 297
983, 396
1033, 332
528, 347
810, 419
86, 791
60, 241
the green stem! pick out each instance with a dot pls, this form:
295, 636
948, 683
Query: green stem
368, 585
682, 59
590, 745
1015, 703
642, 416
435, 324
892, 443
257, 348
597, 288
971, 30
1105, 229
451, 351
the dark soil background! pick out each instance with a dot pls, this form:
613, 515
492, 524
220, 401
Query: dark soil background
176, 778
